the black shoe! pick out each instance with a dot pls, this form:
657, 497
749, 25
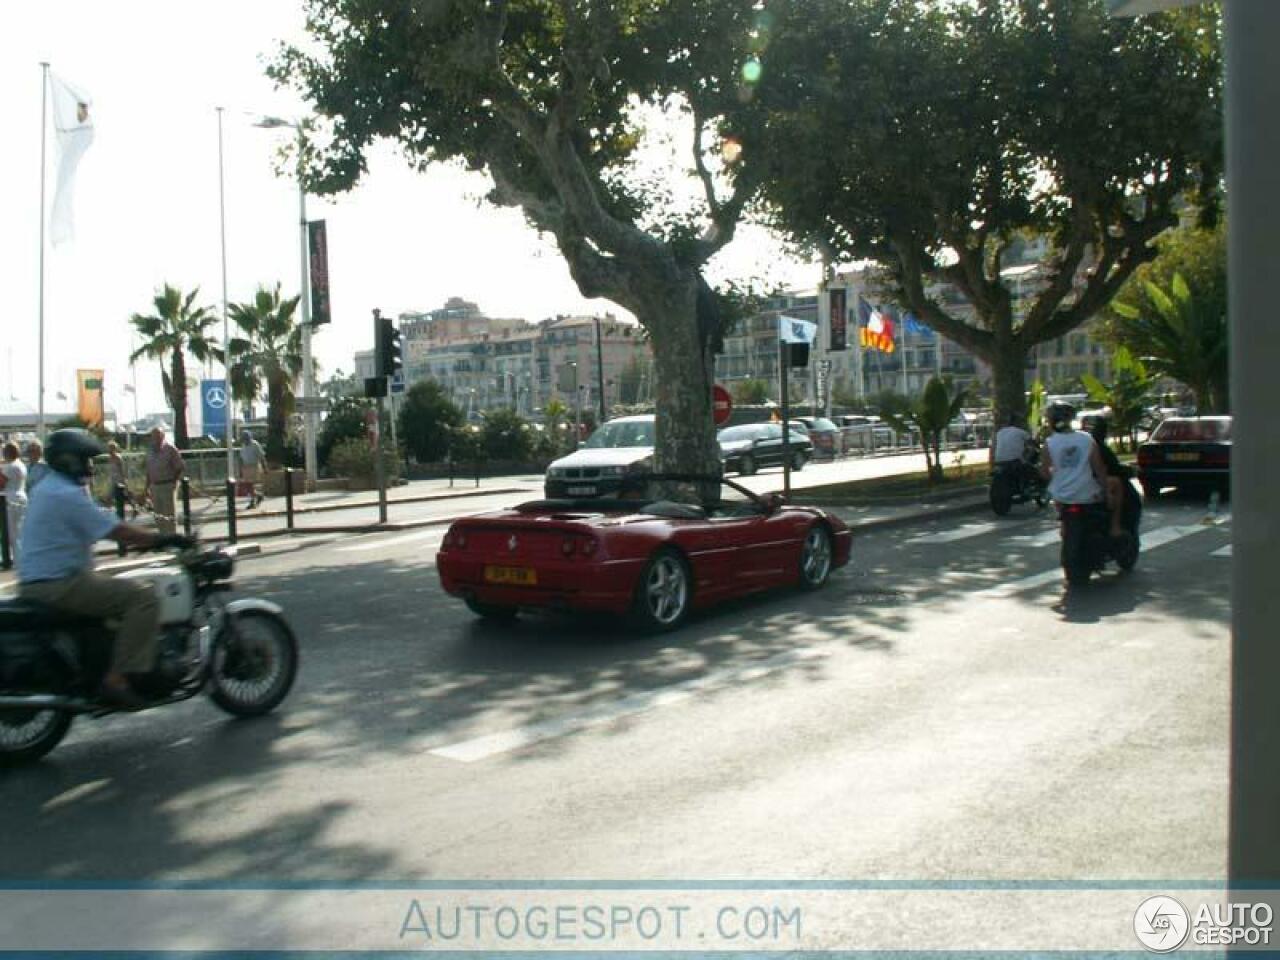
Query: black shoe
122, 698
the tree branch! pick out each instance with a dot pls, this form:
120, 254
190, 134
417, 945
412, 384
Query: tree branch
911, 264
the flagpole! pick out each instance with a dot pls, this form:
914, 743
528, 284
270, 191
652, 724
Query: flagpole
44, 138
903, 347
228, 406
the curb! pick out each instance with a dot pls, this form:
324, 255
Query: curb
885, 523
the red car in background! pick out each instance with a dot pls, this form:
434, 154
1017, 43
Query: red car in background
656, 560
1186, 452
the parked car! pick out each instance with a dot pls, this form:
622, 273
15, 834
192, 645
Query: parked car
1184, 452
655, 560
825, 436
746, 448
864, 432
617, 448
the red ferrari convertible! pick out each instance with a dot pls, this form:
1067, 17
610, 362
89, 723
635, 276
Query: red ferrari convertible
656, 560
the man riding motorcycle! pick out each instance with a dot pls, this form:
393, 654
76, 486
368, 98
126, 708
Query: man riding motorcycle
56, 565
1072, 464
1011, 446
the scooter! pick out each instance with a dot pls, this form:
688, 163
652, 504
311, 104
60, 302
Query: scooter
241, 652
1017, 482
1087, 544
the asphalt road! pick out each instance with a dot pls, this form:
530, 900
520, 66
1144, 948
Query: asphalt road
940, 711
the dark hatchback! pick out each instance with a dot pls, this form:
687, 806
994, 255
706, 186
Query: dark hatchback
1186, 452
748, 447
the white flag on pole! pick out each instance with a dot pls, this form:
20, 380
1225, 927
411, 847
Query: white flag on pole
791, 330
73, 127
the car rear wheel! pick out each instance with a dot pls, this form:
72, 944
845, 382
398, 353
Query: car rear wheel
491, 611
747, 465
815, 558
663, 593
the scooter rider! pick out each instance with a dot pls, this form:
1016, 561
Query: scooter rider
56, 566
1072, 464
1011, 446
1122, 499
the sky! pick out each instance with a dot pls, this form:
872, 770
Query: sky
146, 199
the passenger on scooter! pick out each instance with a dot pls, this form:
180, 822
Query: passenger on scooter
1012, 448
56, 565
1072, 464
1122, 500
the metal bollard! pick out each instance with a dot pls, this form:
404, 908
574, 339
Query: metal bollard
449, 461
231, 510
184, 485
119, 494
477, 471
6, 551
288, 497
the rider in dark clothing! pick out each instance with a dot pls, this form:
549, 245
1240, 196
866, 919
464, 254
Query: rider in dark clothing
1122, 499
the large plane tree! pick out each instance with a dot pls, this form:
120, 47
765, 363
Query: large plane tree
930, 136
551, 98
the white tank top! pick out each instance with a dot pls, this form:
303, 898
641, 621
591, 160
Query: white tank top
1073, 480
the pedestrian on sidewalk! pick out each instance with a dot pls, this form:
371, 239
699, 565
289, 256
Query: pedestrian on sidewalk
164, 469
118, 495
36, 467
13, 489
252, 459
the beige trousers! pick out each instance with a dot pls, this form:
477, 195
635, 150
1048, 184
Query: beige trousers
162, 504
131, 603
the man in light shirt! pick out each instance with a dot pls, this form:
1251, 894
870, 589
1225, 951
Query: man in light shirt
1072, 464
164, 469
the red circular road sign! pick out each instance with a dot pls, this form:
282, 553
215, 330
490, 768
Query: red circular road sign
721, 404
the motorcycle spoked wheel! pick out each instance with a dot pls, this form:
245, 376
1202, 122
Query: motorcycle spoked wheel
1077, 564
255, 661
1125, 551
1001, 497
27, 735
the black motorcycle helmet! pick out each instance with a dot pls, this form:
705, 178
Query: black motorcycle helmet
1060, 416
71, 451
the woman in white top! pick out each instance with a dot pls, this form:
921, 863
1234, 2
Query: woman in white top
1072, 464
13, 486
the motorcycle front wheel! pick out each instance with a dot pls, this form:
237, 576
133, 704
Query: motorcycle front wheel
255, 661
27, 735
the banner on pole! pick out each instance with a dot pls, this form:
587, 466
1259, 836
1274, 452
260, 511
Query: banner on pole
213, 407
838, 319
318, 243
89, 397
73, 126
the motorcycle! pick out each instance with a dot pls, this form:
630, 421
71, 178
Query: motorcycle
1087, 544
1016, 482
241, 652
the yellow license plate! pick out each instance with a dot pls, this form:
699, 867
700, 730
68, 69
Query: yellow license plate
1184, 457
520, 576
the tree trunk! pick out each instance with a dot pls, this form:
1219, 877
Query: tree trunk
275, 422
1008, 371
683, 375
178, 383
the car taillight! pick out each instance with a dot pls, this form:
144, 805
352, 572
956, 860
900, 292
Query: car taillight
586, 546
589, 546
455, 540
568, 545
1217, 458
1146, 455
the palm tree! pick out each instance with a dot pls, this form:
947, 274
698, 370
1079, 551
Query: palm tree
269, 354
930, 414
1181, 333
177, 328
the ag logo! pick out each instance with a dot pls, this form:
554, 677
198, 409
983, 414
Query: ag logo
1161, 924
216, 397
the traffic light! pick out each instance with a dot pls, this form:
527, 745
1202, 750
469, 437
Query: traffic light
387, 355
797, 354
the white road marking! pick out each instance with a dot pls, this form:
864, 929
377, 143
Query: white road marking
962, 532
1156, 538
1037, 540
479, 748
436, 535
1222, 551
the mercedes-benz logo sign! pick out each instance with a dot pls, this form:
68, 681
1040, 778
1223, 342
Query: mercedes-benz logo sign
215, 397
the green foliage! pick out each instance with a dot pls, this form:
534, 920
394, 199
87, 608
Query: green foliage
937, 136
506, 436
1126, 395
345, 421
353, 458
426, 420
1184, 337
750, 391
929, 414
178, 327
1035, 406
267, 353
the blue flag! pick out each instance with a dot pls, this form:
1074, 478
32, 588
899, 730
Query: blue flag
214, 403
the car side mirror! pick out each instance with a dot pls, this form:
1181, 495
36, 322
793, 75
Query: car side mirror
773, 502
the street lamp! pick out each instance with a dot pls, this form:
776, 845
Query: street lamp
308, 370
